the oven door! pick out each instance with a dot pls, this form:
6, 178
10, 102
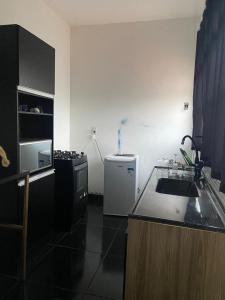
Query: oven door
81, 178
80, 173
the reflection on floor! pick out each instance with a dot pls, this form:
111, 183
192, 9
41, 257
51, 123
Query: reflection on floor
86, 264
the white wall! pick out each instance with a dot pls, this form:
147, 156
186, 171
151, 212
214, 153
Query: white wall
38, 18
139, 71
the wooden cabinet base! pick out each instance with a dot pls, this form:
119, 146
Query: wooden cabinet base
174, 263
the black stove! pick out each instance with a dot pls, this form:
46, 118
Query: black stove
71, 188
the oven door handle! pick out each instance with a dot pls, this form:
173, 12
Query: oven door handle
80, 167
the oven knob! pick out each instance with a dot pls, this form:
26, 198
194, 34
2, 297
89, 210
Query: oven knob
82, 153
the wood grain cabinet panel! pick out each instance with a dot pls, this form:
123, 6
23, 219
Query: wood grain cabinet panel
167, 262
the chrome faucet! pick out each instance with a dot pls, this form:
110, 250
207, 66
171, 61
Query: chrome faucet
198, 163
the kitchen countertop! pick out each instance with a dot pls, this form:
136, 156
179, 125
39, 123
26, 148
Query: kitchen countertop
201, 212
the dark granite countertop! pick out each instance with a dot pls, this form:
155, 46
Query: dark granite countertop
196, 212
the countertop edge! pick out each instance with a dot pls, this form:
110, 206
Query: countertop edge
176, 223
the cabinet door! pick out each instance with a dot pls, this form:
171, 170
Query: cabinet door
36, 63
8, 131
41, 209
9, 56
10, 240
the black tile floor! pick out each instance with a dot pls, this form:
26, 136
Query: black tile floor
87, 264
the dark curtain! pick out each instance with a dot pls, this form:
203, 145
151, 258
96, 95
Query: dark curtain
209, 89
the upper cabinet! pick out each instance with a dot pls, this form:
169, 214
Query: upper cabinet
26, 60
36, 63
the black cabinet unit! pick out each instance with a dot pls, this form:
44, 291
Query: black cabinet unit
26, 60
27, 87
9, 130
9, 62
27, 80
10, 207
41, 208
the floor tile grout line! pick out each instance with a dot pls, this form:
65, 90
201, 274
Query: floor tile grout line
81, 292
99, 226
103, 258
57, 287
100, 297
116, 229
95, 295
54, 246
36, 262
8, 293
86, 289
8, 276
75, 249
107, 252
93, 226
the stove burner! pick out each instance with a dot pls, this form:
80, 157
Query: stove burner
67, 155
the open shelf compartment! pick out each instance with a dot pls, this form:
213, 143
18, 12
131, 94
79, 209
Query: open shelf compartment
33, 104
35, 125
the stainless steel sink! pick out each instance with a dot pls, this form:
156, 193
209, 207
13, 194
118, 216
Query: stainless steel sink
177, 187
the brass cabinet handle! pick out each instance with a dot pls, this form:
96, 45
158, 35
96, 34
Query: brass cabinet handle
5, 162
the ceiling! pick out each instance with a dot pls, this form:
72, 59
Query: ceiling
90, 12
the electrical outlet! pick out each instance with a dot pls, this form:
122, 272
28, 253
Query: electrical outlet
93, 131
186, 105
